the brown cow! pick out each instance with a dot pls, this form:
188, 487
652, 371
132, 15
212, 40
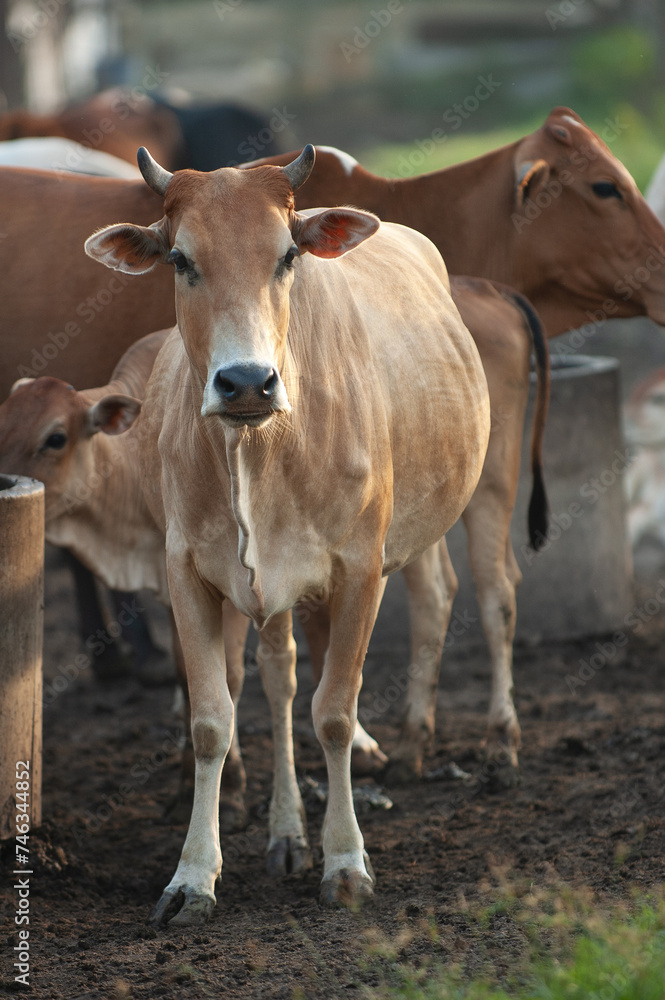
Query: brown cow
329, 419
555, 215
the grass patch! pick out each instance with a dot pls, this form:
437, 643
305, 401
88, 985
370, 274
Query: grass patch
549, 945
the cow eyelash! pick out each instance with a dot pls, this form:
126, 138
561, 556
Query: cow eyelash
606, 189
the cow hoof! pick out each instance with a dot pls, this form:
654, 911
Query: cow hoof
402, 771
346, 887
232, 815
288, 856
366, 762
182, 908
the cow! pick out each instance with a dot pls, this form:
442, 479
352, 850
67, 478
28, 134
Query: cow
555, 215
183, 134
83, 447
318, 419
63, 154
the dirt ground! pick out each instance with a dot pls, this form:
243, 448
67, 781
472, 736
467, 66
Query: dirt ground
589, 811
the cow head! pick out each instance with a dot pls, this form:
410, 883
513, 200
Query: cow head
234, 240
46, 430
585, 234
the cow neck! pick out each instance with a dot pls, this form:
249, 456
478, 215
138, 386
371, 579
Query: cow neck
465, 210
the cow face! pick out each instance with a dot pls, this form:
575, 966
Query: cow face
583, 230
234, 241
46, 429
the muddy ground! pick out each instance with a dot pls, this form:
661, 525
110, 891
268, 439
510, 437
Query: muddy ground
590, 811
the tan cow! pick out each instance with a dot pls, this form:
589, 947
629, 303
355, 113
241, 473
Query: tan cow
554, 214
83, 447
332, 412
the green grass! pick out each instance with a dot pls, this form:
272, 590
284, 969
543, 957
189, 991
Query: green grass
636, 145
550, 946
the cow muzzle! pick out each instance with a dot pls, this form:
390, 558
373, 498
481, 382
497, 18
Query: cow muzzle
246, 395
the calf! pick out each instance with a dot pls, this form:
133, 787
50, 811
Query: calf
83, 447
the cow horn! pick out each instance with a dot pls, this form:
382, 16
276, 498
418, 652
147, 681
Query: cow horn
299, 170
155, 176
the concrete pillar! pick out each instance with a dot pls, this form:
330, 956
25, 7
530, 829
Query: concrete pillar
21, 630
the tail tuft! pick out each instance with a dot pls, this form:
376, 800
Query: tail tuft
538, 510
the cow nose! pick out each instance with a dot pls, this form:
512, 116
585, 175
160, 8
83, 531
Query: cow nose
238, 381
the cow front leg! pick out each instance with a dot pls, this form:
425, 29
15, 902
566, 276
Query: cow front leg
347, 875
431, 587
495, 574
288, 848
189, 898
232, 806
367, 757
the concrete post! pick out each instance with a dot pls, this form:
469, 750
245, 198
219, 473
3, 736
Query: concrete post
21, 630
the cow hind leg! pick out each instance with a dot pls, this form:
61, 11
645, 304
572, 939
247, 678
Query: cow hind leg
431, 587
347, 877
495, 574
288, 848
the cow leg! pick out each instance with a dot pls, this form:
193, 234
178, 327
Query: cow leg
288, 849
232, 808
495, 574
347, 876
112, 660
189, 898
152, 665
367, 757
431, 587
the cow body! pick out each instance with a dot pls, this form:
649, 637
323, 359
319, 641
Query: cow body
555, 215
318, 426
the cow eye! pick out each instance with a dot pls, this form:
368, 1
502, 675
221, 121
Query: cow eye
56, 441
606, 189
179, 261
290, 255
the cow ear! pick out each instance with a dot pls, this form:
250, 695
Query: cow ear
333, 232
529, 176
19, 383
133, 249
113, 414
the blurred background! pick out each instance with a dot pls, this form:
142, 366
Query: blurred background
376, 78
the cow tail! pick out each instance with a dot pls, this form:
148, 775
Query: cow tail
538, 516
